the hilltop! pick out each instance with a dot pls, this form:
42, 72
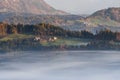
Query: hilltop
28, 6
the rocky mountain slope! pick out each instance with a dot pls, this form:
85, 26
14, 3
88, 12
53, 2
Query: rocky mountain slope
28, 6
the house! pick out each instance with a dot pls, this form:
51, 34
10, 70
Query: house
55, 38
51, 39
37, 38
45, 39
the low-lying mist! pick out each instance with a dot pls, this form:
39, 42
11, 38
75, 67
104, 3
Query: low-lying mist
61, 65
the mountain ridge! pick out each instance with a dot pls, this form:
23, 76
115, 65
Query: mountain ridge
112, 13
104, 17
28, 6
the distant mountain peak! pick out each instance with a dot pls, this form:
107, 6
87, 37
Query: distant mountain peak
28, 6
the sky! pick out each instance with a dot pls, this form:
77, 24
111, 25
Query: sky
83, 6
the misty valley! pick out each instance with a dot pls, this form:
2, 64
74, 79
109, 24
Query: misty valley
40, 42
60, 65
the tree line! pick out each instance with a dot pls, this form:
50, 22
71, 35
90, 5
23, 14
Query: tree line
43, 29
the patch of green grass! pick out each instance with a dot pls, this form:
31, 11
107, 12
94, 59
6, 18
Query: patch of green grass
103, 21
59, 41
15, 36
66, 41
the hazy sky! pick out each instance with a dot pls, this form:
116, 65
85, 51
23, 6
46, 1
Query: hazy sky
83, 6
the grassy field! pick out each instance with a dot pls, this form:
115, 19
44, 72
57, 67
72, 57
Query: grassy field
59, 41
66, 41
15, 36
104, 22
94, 21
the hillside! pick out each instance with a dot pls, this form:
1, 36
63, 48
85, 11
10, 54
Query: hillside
28, 6
38, 11
34, 12
105, 17
109, 14
58, 20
